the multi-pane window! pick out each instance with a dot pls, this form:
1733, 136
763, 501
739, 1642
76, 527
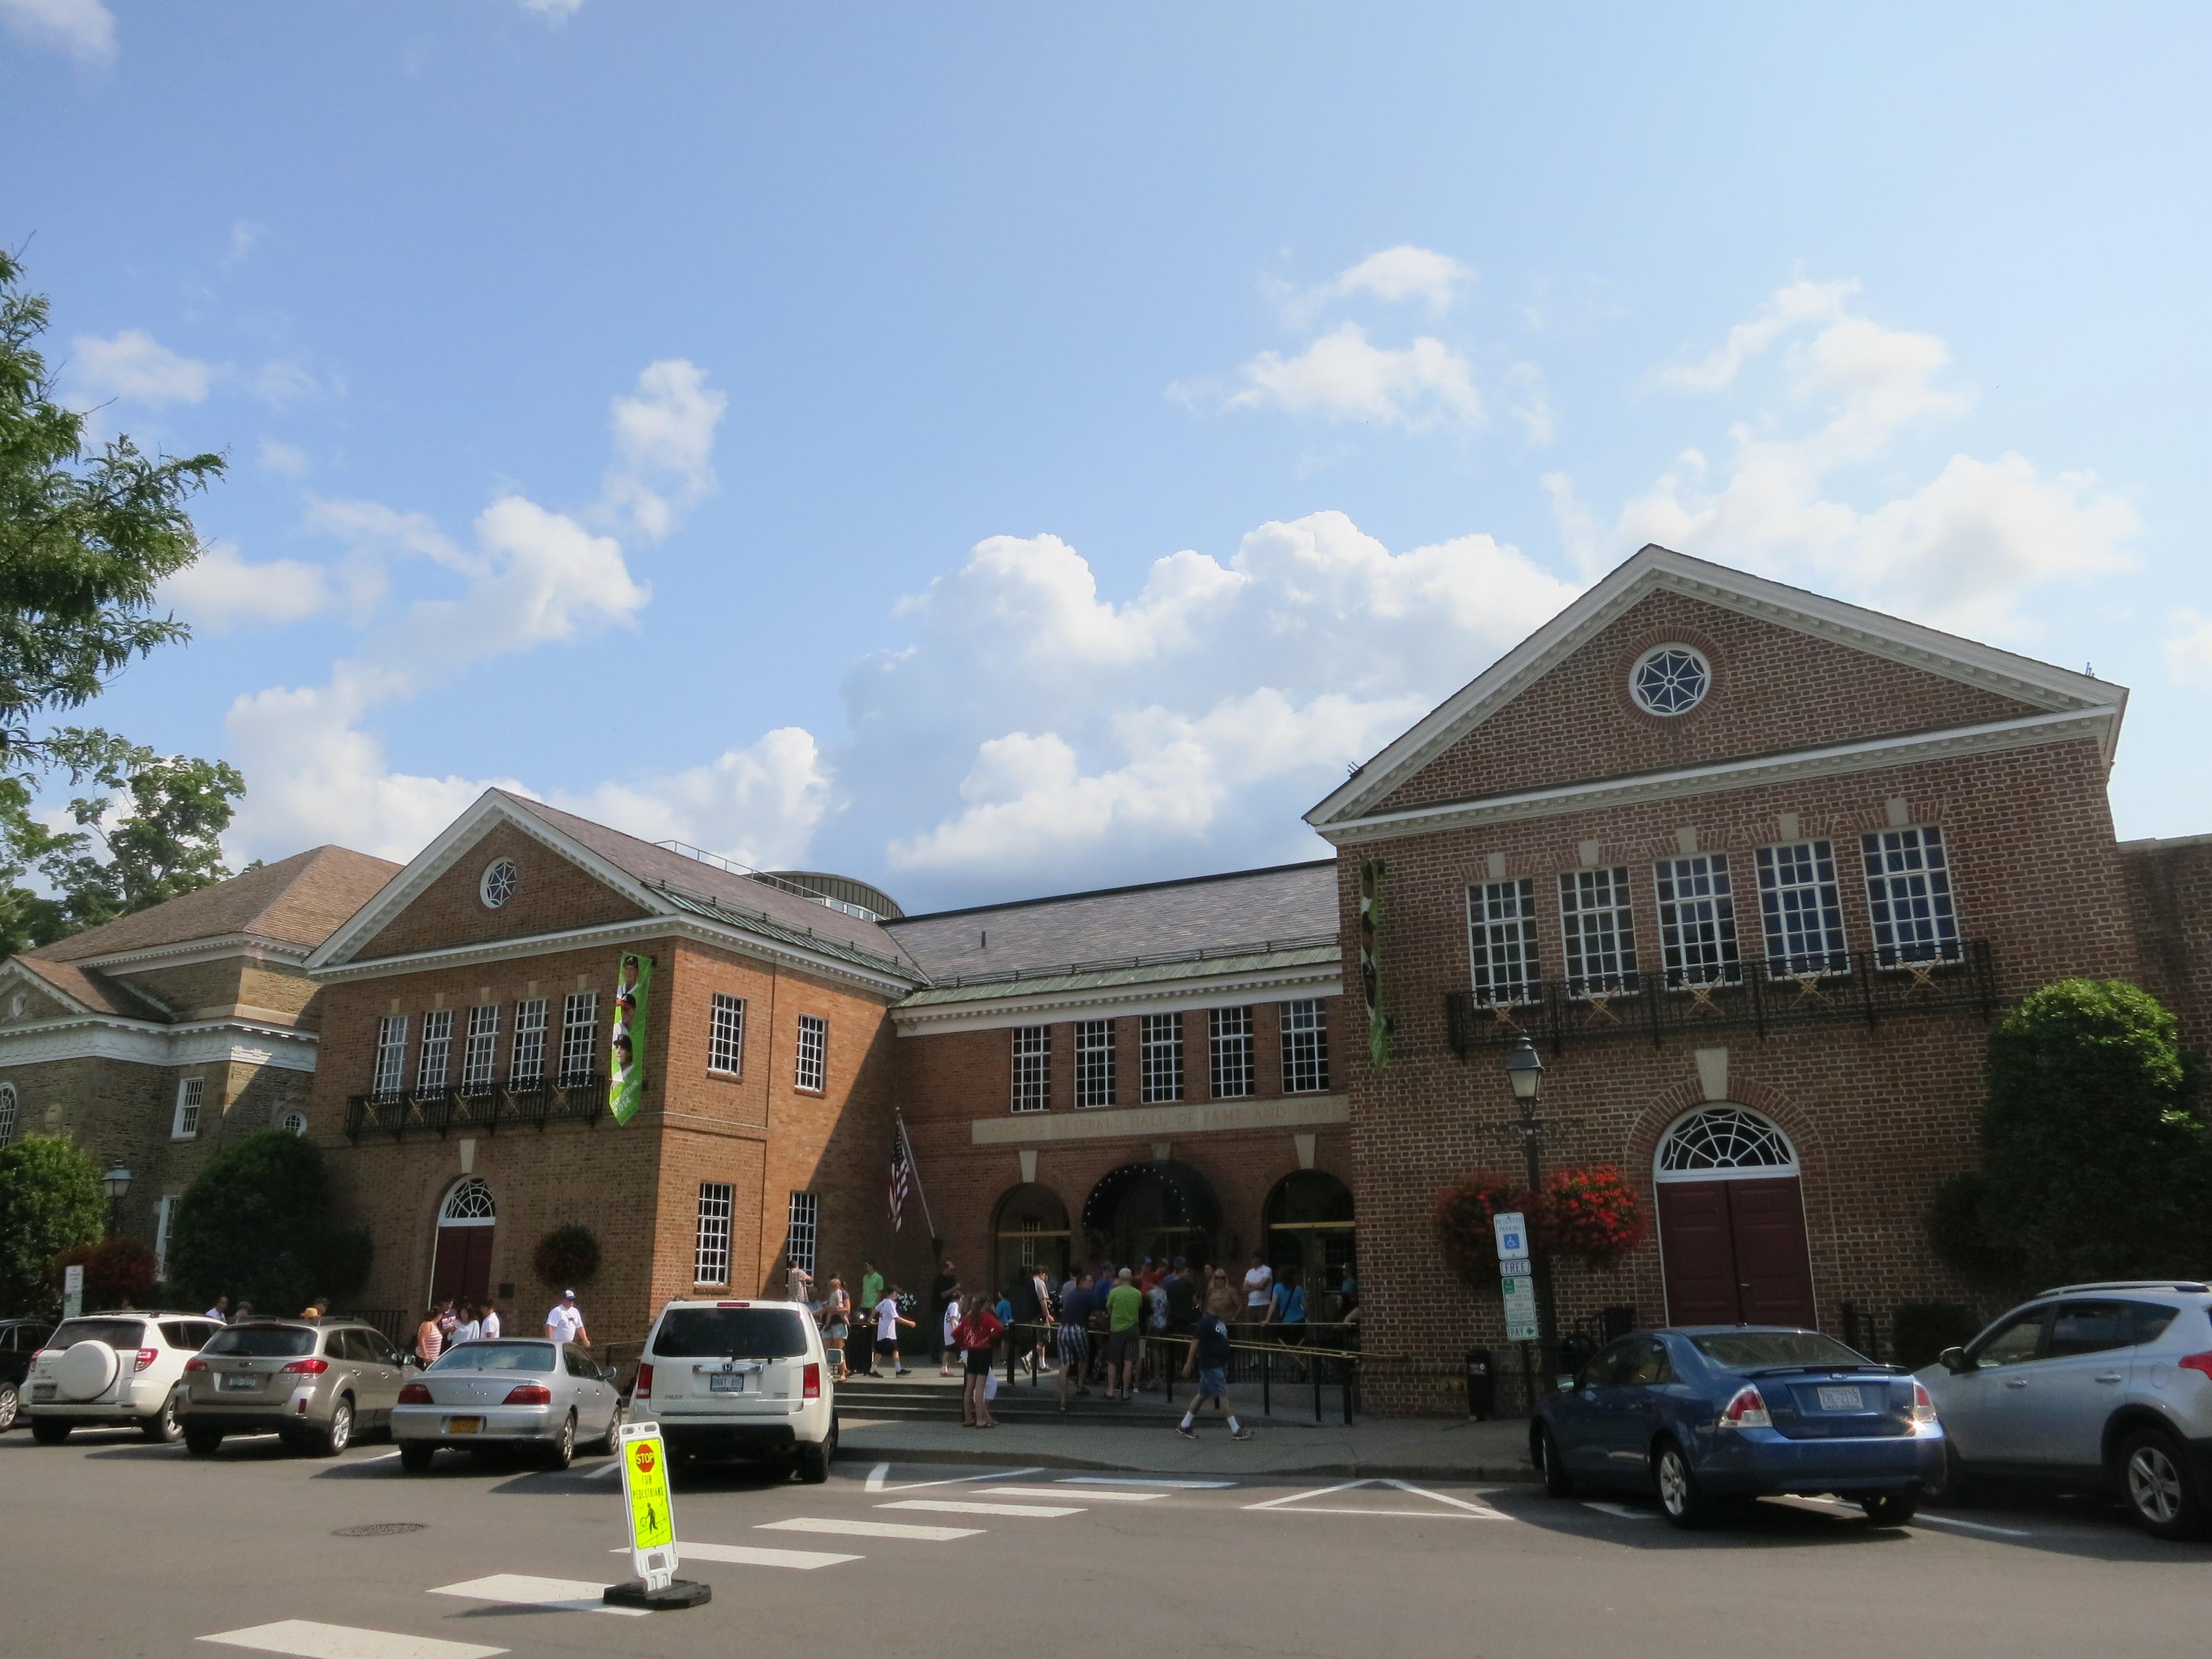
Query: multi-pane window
1230, 1041
799, 1238
391, 1054
1697, 920
437, 1052
186, 1123
1797, 903
726, 1034
813, 1051
1094, 1062
525, 1067
7, 1112
1599, 931
1032, 1236
580, 1035
1305, 1047
1032, 1067
1160, 1050
1501, 931
480, 1049
710, 1259
164, 1213
1909, 889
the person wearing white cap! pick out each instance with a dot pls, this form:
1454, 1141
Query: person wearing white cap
566, 1323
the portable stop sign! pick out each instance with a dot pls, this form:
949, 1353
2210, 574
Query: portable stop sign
652, 1525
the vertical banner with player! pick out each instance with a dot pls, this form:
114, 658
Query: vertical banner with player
626, 1065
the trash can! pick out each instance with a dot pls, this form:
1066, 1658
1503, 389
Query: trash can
1481, 1385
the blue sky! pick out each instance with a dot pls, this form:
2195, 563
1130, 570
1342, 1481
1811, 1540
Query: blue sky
990, 451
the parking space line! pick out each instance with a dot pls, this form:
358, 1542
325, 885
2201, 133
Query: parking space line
878, 1476
305, 1638
1089, 1496
749, 1555
612, 1465
1140, 1480
949, 1506
517, 1589
1971, 1526
870, 1528
1295, 1504
1627, 1512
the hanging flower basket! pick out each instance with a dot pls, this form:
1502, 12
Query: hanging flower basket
1591, 1214
566, 1255
1462, 1213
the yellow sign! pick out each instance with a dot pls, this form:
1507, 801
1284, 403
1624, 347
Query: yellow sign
645, 1481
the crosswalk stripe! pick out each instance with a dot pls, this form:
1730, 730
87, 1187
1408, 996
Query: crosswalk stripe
517, 1589
306, 1639
870, 1528
748, 1555
1140, 1480
1089, 1496
948, 1506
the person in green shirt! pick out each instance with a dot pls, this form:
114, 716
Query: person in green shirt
1125, 1336
871, 1292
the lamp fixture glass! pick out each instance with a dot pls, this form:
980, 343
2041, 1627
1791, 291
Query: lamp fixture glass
1524, 1070
118, 1182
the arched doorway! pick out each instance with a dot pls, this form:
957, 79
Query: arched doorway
1159, 1209
1732, 1244
1030, 1232
1309, 1231
466, 1221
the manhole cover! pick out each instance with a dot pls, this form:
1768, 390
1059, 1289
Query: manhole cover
380, 1529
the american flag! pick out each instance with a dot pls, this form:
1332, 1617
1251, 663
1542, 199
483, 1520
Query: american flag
899, 1180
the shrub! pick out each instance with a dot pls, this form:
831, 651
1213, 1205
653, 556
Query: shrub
49, 1201
568, 1255
257, 1227
117, 1272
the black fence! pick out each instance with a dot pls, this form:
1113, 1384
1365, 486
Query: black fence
1278, 1359
476, 1111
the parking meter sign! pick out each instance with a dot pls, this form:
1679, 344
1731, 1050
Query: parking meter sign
645, 1498
1520, 1309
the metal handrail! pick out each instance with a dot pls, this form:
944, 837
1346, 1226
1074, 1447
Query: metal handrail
1165, 1355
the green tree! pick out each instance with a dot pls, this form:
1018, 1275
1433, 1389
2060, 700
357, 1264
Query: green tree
257, 1227
169, 842
50, 1201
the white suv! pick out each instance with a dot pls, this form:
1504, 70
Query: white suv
739, 1379
2110, 1383
105, 1370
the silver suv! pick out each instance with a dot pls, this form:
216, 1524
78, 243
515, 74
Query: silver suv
317, 1382
2107, 1384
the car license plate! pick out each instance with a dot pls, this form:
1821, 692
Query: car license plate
725, 1382
465, 1426
43, 1392
241, 1380
1840, 1400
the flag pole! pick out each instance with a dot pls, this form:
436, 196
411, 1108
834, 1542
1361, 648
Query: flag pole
920, 1192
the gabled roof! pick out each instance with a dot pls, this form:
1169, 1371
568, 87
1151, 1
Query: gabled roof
87, 992
1654, 569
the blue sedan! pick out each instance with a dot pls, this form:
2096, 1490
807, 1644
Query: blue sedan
1703, 1413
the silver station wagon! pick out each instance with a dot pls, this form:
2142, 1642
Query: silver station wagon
508, 1395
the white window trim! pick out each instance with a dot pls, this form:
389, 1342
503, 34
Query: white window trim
11, 1107
1728, 970
480, 1049
710, 1252
1304, 1023
580, 1054
1902, 963
726, 1034
1032, 1048
814, 1045
1095, 1081
192, 1096
525, 1058
1833, 957
1705, 667
1219, 1043
1485, 932
1156, 1054
164, 1213
1726, 1172
389, 1079
802, 1235
437, 1045
1573, 923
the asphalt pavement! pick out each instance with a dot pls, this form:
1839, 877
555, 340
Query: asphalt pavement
115, 1546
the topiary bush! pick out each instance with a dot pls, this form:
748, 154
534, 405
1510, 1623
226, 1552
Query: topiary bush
568, 1255
51, 1200
257, 1227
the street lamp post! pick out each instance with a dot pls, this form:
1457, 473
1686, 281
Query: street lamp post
1524, 1070
118, 1182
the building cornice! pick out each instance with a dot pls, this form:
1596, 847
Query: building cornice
142, 1043
1161, 1122
252, 947
1874, 755
1044, 1002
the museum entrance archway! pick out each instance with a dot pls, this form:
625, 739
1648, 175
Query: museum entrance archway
1030, 1230
467, 1221
1732, 1244
1161, 1210
1309, 1231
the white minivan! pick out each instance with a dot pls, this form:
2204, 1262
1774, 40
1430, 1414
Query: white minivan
739, 1379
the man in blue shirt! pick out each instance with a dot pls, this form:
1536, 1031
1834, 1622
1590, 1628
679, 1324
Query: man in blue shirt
1074, 1340
1209, 1355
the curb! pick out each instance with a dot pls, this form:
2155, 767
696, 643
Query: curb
854, 1449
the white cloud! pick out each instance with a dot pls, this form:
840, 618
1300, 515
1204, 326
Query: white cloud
244, 233
284, 382
1394, 276
759, 806
2189, 654
281, 456
556, 12
220, 589
1342, 376
83, 28
664, 436
1799, 302
135, 365
1529, 404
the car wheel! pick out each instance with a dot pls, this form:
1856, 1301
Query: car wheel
415, 1455
203, 1442
48, 1431
1890, 1509
1557, 1483
337, 1435
163, 1429
1680, 1497
814, 1461
562, 1451
610, 1442
10, 1403
2161, 1485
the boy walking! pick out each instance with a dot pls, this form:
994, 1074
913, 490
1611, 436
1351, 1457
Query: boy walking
888, 1319
1209, 1354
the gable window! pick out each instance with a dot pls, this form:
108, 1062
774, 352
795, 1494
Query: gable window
1501, 928
580, 1035
1599, 931
1032, 1068
186, 1122
497, 883
1670, 679
1908, 874
813, 1052
437, 1051
710, 1258
1230, 1041
1305, 1047
391, 1056
799, 1232
1159, 1048
480, 1050
1697, 920
8, 1103
1094, 1062
725, 1035
526, 1065
1797, 903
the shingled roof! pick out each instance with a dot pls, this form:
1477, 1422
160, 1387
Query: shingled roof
297, 901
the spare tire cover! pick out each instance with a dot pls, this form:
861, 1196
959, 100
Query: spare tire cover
85, 1370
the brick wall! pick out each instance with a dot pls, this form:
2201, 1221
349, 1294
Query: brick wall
2170, 903
554, 895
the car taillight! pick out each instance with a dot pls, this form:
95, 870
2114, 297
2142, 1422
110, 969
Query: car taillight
196, 1363
415, 1394
1923, 1403
1746, 1410
811, 1381
146, 1356
644, 1388
311, 1367
43, 1353
529, 1394
2196, 1361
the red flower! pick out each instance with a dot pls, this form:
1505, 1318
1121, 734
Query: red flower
1591, 1213
1462, 1214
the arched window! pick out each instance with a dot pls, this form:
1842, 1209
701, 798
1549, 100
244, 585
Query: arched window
293, 1123
7, 1112
1720, 1143
468, 1205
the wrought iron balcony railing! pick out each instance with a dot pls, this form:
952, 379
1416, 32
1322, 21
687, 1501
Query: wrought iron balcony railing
478, 1111
1752, 993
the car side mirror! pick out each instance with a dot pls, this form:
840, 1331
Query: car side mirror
1954, 1360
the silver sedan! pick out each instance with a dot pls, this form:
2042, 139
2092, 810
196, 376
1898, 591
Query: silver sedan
519, 1393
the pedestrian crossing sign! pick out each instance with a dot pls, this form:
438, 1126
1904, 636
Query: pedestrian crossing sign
645, 1497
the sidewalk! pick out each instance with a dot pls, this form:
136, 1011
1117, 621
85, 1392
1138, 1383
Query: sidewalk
1437, 1449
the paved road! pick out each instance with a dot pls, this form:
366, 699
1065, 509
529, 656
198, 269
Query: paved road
112, 1546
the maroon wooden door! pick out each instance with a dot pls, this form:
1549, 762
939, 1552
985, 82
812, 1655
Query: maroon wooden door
1734, 1252
463, 1269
